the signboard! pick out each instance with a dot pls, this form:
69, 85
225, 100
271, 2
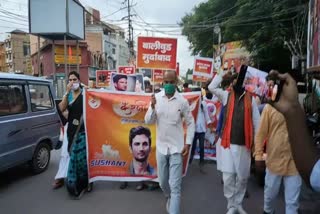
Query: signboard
72, 57
103, 78
313, 53
158, 76
126, 70
203, 67
157, 53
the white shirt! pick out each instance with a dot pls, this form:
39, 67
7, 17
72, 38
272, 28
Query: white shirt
168, 116
203, 118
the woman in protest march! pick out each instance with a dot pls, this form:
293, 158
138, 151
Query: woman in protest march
77, 177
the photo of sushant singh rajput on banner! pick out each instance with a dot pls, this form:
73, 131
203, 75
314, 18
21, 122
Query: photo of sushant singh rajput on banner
103, 78
120, 146
203, 67
157, 53
126, 70
127, 82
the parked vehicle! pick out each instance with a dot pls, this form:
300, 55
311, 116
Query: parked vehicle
29, 122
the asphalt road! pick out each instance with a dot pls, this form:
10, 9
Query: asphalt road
23, 193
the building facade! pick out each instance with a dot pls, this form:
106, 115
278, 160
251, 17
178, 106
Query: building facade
17, 50
51, 62
3, 65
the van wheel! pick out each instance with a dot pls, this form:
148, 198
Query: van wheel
41, 158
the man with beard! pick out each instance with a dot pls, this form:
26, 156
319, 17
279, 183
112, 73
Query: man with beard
140, 147
240, 120
120, 82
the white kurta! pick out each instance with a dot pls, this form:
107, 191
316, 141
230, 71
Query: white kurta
236, 159
64, 160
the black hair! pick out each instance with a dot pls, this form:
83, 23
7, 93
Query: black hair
74, 73
185, 85
139, 130
117, 77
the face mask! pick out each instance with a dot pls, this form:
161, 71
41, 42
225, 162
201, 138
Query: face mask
75, 86
209, 96
169, 89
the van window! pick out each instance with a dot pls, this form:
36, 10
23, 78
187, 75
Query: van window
40, 97
12, 100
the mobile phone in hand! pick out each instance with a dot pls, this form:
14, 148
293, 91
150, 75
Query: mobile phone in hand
274, 92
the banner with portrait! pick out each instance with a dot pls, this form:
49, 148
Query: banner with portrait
120, 146
103, 78
214, 109
255, 81
127, 82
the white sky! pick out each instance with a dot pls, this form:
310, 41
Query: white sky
150, 11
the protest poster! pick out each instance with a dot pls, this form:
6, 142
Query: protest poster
214, 109
103, 78
127, 82
126, 70
157, 76
157, 53
255, 81
203, 67
110, 117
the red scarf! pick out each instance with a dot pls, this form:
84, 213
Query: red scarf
248, 126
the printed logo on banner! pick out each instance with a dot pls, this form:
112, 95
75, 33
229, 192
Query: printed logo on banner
125, 109
94, 102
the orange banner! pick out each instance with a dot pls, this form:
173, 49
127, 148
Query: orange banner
203, 67
157, 53
103, 78
113, 120
126, 70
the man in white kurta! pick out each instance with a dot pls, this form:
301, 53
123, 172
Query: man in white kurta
168, 110
235, 160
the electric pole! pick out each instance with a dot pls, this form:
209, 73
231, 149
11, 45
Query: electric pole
130, 41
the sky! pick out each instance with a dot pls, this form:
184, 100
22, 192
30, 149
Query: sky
151, 18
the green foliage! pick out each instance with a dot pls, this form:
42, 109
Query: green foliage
263, 26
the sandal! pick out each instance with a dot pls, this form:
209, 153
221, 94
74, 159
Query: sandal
58, 184
90, 187
140, 187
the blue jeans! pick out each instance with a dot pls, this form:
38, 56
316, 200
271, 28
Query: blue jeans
200, 137
170, 178
292, 187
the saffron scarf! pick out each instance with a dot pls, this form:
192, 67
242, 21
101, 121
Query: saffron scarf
248, 126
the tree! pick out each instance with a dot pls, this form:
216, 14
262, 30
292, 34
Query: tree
263, 26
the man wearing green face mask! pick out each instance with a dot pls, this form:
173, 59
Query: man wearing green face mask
168, 110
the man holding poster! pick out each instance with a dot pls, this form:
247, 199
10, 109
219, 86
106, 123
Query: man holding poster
168, 109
